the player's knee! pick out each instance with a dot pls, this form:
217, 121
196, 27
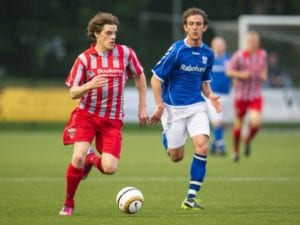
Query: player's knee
255, 123
109, 169
78, 161
176, 158
176, 155
201, 148
238, 123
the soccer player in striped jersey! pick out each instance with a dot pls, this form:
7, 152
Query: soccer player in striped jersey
177, 81
98, 79
248, 68
220, 85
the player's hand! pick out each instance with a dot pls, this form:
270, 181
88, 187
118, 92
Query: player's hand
143, 116
215, 101
264, 75
245, 74
155, 118
97, 81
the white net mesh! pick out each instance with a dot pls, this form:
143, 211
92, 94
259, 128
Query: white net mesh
280, 36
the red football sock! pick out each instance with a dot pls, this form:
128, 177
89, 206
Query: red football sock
95, 161
73, 178
252, 132
236, 133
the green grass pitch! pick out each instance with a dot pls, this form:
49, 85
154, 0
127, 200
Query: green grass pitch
261, 190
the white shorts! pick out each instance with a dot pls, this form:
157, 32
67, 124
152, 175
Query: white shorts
177, 122
218, 118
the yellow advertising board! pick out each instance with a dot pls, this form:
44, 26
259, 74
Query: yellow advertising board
35, 104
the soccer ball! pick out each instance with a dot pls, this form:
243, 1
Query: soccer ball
130, 200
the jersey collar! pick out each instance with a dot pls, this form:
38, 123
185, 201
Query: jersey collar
93, 51
246, 53
185, 42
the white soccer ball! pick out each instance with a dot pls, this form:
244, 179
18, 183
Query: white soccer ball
130, 200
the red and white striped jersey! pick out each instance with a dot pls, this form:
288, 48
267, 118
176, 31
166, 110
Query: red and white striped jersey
251, 88
116, 65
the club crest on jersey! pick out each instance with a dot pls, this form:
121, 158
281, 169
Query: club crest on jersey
204, 59
71, 132
90, 73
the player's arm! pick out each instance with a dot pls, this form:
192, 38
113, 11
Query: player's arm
141, 85
162, 72
234, 68
264, 74
156, 89
206, 90
239, 74
78, 91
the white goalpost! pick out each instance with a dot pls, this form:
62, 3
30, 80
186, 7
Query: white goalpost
280, 35
246, 21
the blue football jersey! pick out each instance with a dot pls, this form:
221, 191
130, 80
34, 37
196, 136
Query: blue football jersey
182, 70
220, 82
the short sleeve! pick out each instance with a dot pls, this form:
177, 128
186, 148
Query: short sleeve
207, 74
77, 74
134, 67
164, 67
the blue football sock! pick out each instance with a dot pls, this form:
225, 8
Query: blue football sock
198, 170
165, 141
218, 135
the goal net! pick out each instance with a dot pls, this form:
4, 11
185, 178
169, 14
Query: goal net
280, 36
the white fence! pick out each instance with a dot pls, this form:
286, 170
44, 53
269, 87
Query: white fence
279, 105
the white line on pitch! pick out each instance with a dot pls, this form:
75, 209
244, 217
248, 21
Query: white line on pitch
152, 179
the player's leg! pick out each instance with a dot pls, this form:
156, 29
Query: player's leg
255, 109
74, 176
92, 159
176, 154
108, 144
109, 163
174, 134
254, 126
79, 132
198, 127
105, 163
174, 144
240, 112
197, 171
88, 165
236, 133
218, 133
217, 122
213, 116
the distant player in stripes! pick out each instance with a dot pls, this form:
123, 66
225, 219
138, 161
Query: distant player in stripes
220, 85
177, 81
248, 68
98, 79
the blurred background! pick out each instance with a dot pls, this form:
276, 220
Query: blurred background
39, 41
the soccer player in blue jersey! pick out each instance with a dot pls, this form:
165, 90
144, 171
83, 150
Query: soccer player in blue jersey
220, 85
177, 82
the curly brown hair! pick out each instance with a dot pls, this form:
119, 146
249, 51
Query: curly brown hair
98, 21
194, 11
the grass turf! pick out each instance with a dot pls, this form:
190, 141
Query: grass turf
264, 189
